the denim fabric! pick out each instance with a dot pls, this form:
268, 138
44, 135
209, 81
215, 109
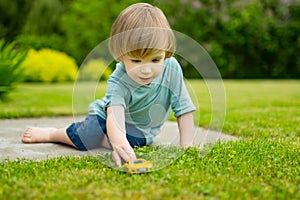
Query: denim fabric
88, 134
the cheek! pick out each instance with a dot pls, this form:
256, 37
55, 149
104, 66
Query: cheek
158, 69
132, 72
129, 68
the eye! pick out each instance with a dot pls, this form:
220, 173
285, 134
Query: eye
156, 60
135, 61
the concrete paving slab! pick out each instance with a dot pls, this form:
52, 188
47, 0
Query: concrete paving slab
11, 131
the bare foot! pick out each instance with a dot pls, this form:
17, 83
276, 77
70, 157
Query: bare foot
36, 134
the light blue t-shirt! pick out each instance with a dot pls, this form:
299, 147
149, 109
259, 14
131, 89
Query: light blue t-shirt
146, 106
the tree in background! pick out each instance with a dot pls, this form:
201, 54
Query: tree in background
13, 17
246, 39
85, 25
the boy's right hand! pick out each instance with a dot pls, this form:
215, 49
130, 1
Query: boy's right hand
123, 152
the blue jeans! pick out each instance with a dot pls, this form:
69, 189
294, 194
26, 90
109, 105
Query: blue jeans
88, 134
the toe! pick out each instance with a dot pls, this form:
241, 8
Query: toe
26, 136
28, 130
26, 139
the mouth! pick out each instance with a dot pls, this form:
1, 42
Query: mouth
145, 80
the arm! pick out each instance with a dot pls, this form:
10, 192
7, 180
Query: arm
186, 128
116, 131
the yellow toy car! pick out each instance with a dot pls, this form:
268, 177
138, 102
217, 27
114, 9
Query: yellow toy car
138, 166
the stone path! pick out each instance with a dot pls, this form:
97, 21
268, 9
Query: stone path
12, 148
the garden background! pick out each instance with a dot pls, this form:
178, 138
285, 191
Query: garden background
255, 44
246, 39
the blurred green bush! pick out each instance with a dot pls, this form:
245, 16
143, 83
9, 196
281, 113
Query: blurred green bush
10, 66
48, 65
38, 42
86, 25
246, 39
94, 70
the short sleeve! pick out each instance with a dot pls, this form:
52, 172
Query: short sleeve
115, 95
181, 102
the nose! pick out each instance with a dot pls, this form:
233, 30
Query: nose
146, 69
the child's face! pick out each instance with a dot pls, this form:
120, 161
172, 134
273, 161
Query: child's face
144, 70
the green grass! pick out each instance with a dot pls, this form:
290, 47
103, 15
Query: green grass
36, 100
263, 164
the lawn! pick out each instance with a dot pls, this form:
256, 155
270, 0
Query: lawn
263, 164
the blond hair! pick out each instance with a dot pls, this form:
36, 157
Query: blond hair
139, 30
